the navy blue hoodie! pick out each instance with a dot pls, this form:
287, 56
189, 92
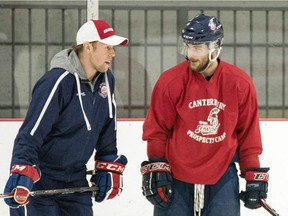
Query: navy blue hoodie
68, 117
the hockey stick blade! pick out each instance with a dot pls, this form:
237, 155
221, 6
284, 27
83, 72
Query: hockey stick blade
56, 191
266, 206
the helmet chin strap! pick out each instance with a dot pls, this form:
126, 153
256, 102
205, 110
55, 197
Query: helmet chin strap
217, 55
210, 58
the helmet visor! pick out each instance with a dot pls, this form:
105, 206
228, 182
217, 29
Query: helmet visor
189, 50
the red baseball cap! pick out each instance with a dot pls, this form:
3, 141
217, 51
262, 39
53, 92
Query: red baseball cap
99, 30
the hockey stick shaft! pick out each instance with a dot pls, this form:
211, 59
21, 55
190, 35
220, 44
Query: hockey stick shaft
266, 206
56, 191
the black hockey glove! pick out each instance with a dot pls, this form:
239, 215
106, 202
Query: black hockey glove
157, 182
256, 187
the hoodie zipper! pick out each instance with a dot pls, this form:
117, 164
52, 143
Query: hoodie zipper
111, 99
92, 84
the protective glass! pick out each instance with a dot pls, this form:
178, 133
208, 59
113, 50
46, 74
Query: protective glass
198, 49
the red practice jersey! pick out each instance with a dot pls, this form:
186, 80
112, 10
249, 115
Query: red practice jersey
198, 125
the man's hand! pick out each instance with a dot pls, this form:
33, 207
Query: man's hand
21, 180
256, 187
108, 176
157, 182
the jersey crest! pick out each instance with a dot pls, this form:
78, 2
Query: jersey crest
207, 129
102, 91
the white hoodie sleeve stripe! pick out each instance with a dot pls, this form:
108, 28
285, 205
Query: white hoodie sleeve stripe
47, 103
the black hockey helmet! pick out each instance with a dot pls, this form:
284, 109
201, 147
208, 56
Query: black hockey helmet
203, 29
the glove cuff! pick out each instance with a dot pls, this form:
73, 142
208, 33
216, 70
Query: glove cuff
257, 174
154, 167
109, 166
33, 172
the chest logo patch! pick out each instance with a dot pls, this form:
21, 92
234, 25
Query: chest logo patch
102, 90
207, 130
209, 127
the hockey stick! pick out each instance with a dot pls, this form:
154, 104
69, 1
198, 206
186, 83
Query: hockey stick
266, 206
263, 203
56, 191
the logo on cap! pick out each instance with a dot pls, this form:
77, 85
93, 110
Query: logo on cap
107, 30
99, 30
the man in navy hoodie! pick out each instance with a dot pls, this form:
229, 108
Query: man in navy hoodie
71, 114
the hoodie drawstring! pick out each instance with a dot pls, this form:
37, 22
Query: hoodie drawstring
198, 199
81, 103
109, 96
110, 101
115, 117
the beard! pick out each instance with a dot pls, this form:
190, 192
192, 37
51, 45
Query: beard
199, 66
203, 65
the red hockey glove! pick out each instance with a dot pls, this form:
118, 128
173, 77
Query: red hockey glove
256, 187
108, 176
157, 182
20, 182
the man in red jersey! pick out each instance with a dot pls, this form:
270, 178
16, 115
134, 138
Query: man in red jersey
202, 119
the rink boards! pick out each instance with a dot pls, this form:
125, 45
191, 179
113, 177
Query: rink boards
131, 202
